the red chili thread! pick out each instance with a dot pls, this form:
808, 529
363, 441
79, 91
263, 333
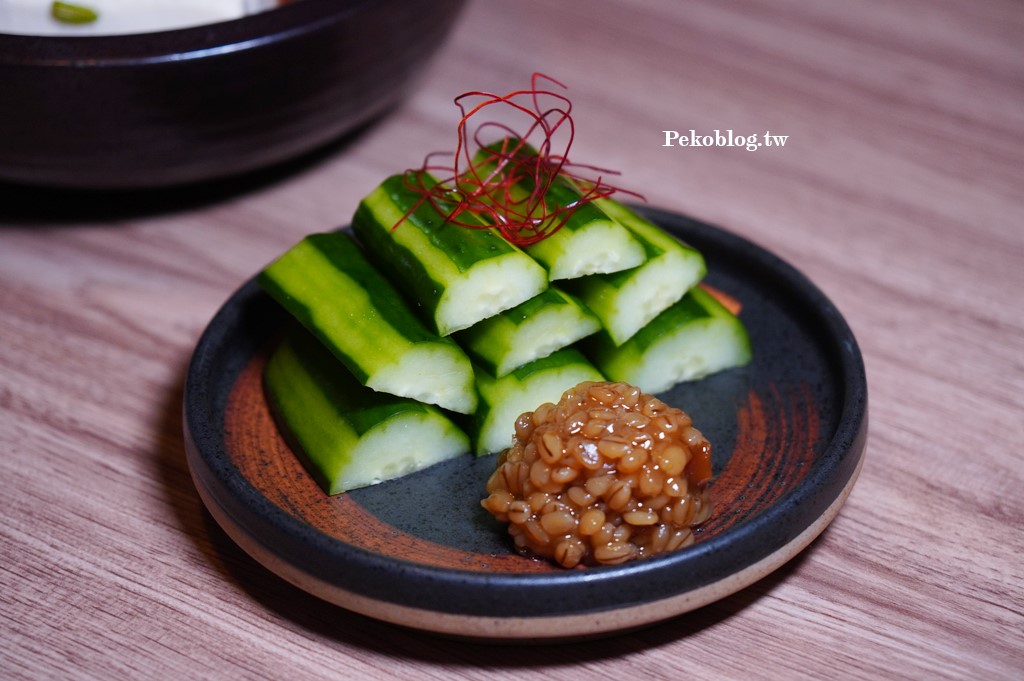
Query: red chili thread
489, 187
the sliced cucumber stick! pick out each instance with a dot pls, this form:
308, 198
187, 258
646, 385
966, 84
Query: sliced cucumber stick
456, 275
349, 436
590, 241
691, 339
503, 400
626, 301
326, 283
534, 329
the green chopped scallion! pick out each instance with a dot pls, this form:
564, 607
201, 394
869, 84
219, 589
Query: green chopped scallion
72, 14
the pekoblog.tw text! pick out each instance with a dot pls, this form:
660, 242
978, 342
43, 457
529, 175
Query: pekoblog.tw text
752, 142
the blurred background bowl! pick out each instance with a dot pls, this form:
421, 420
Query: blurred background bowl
208, 102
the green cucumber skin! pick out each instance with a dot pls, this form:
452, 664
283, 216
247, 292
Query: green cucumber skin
560, 194
556, 360
385, 313
697, 306
522, 312
301, 411
654, 239
493, 390
656, 242
601, 349
600, 292
323, 410
464, 247
548, 250
362, 407
487, 342
422, 273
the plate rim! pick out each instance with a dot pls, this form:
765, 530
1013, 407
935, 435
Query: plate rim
545, 629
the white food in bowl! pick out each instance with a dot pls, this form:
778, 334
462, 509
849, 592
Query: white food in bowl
33, 17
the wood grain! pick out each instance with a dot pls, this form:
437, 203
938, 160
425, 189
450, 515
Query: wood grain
899, 192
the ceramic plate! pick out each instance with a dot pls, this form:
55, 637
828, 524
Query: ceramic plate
788, 432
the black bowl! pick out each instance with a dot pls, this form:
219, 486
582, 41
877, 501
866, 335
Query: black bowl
175, 107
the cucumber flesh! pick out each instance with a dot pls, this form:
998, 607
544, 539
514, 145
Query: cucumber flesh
505, 399
347, 435
599, 246
590, 241
692, 339
455, 275
529, 331
626, 301
327, 284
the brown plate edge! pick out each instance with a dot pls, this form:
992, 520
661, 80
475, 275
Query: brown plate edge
525, 629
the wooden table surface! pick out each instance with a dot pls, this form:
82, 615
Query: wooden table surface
899, 191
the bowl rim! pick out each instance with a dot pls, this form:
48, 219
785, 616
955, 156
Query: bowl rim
177, 44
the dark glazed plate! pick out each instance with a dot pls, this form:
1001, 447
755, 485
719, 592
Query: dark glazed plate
788, 431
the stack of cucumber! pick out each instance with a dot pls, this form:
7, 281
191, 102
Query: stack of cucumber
421, 326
